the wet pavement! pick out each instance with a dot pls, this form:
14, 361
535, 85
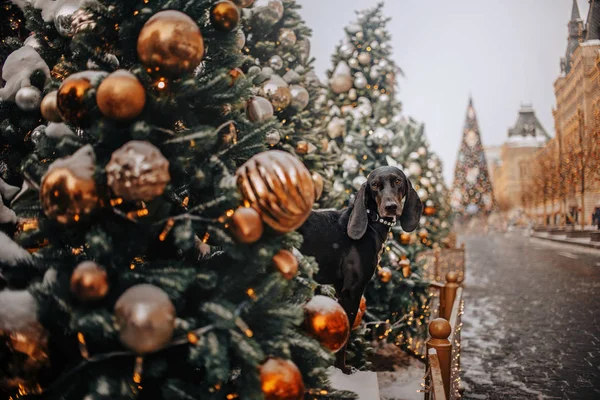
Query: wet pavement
531, 328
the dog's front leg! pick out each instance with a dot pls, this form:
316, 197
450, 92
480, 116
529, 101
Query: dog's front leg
350, 301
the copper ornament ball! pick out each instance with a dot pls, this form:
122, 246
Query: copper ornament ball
246, 225
279, 187
49, 107
326, 320
145, 318
429, 210
68, 191
405, 238
385, 274
224, 16
170, 44
286, 263
89, 282
121, 96
281, 380
70, 99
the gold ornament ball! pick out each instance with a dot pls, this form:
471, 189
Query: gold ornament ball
246, 225
68, 192
318, 183
361, 312
429, 210
385, 274
70, 99
224, 16
121, 96
243, 3
170, 44
286, 263
423, 234
405, 238
281, 380
279, 187
259, 109
277, 92
326, 320
49, 107
145, 318
89, 282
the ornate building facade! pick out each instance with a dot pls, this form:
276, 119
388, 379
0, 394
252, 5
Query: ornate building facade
566, 181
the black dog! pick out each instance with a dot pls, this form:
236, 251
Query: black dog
347, 243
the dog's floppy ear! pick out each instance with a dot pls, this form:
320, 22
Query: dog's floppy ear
413, 208
357, 225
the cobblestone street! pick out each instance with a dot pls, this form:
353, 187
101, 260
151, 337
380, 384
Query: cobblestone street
531, 326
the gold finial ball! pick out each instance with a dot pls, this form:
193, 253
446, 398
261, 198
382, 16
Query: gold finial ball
68, 191
121, 96
170, 44
326, 320
286, 263
224, 16
439, 328
246, 225
49, 107
89, 282
279, 187
452, 277
318, 183
281, 380
145, 318
385, 274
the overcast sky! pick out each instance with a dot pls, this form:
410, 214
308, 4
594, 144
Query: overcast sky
503, 52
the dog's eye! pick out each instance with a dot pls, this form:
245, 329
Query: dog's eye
398, 181
375, 185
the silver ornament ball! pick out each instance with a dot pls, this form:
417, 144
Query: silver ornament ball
37, 133
360, 35
287, 37
353, 62
259, 109
276, 62
364, 58
300, 97
346, 50
396, 151
360, 82
272, 137
28, 98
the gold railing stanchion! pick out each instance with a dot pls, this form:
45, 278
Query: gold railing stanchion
448, 294
440, 330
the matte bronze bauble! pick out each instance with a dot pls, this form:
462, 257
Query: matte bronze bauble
279, 186
246, 225
121, 96
326, 320
89, 282
281, 380
224, 16
286, 263
170, 44
49, 107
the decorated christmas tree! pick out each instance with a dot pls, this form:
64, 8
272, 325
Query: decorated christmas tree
365, 127
154, 254
472, 193
277, 41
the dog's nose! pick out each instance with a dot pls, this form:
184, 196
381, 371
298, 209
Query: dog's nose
391, 208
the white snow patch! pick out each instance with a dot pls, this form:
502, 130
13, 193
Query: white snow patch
363, 383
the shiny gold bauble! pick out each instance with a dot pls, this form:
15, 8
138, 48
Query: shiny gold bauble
121, 96
361, 312
385, 274
286, 263
243, 3
89, 282
281, 380
429, 210
145, 318
49, 107
280, 187
405, 238
70, 99
246, 225
423, 234
68, 191
224, 16
318, 183
170, 44
326, 320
